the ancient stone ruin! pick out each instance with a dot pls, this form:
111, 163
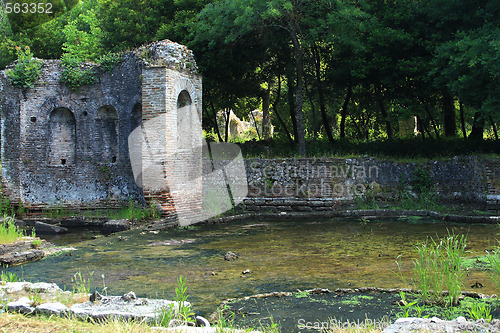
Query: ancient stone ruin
65, 148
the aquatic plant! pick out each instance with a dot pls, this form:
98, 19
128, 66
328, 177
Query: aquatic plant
9, 232
438, 267
494, 261
183, 311
480, 310
8, 277
81, 285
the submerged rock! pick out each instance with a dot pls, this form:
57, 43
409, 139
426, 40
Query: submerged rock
230, 256
172, 242
42, 228
113, 226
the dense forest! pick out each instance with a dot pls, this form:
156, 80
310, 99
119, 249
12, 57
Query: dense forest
324, 70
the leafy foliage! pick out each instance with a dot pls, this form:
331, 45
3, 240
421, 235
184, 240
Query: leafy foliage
109, 61
27, 69
326, 70
75, 74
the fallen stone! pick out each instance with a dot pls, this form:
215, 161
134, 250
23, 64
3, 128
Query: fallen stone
42, 287
202, 322
130, 296
23, 305
115, 226
14, 287
17, 258
95, 297
190, 329
230, 256
116, 307
82, 222
52, 309
42, 228
410, 325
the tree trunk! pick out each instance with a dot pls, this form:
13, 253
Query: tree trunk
343, 111
266, 120
299, 97
313, 111
462, 120
383, 111
255, 124
275, 109
431, 118
494, 127
477, 127
321, 95
450, 125
420, 127
227, 114
215, 119
360, 134
291, 104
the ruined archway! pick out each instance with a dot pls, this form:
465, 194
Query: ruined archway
135, 143
107, 134
184, 121
62, 137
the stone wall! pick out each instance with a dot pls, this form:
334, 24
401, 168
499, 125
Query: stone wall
65, 148
61, 146
325, 183
493, 175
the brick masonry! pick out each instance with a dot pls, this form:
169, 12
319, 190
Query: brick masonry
325, 184
62, 148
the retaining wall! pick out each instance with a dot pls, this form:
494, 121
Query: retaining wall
323, 184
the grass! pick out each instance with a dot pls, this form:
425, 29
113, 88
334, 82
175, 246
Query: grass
81, 285
11, 322
183, 311
469, 308
9, 233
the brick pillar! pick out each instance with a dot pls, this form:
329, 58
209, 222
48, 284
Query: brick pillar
156, 112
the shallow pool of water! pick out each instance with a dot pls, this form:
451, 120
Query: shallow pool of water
282, 255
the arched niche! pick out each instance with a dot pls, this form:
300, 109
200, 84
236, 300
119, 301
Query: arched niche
107, 134
62, 137
136, 117
184, 120
135, 143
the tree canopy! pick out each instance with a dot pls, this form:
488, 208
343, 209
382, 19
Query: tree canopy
319, 70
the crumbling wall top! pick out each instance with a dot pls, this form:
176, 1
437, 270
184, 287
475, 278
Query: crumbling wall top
166, 53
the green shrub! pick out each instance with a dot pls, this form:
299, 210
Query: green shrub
27, 69
422, 182
75, 75
109, 61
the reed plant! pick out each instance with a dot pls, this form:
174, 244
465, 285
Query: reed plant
438, 269
9, 232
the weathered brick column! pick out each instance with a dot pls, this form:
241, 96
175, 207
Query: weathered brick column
171, 141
